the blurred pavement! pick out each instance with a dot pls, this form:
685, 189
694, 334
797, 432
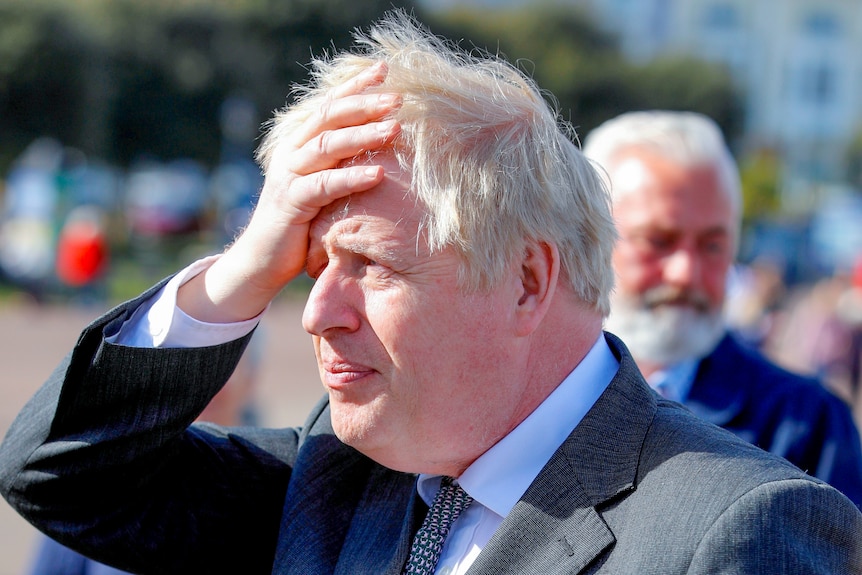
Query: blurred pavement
33, 340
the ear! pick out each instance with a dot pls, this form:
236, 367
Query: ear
540, 270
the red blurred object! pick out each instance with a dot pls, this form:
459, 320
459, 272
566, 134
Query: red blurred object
82, 253
857, 273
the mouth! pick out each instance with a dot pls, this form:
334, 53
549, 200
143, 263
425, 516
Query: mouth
680, 305
340, 376
661, 298
674, 303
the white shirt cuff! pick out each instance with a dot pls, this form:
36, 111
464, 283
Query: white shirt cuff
158, 322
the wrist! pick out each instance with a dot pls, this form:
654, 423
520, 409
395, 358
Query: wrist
226, 292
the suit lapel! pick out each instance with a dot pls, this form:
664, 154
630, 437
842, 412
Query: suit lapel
552, 529
343, 513
321, 498
381, 532
557, 525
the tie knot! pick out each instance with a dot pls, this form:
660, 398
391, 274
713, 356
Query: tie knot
449, 502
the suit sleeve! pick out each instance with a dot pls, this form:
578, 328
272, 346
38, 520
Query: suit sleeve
839, 459
105, 459
784, 527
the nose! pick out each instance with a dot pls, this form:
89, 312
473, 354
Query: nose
333, 304
682, 268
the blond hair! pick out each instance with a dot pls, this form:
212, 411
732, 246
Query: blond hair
491, 161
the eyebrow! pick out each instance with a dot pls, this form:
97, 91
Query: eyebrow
377, 250
358, 244
642, 229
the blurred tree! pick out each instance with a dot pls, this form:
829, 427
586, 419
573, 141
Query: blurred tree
681, 83
582, 67
761, 191
124, 78
40, 92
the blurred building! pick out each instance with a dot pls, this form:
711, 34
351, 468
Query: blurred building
798, 62
798, 67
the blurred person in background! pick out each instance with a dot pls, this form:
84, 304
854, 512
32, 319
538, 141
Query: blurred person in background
821, 332
849, 310
677, 204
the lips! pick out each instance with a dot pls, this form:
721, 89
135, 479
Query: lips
668, 296
339, 374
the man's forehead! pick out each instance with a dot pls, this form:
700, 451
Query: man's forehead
374, 205
629, 178
635, 170
376, 215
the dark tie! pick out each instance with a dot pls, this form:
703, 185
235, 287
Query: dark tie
449, 502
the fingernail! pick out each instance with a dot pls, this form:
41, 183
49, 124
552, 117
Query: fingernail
375, 68
388, 99
386, 126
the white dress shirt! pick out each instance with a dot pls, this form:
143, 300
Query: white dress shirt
495, 481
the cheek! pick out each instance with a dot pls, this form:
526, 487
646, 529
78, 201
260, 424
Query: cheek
715, 282
634, 272
472, 336
438, 335
416, 330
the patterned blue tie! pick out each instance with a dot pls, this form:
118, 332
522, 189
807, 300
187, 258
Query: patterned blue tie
449, 502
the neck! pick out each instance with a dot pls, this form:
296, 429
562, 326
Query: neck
566, 337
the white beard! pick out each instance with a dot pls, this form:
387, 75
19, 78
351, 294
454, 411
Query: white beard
665, 334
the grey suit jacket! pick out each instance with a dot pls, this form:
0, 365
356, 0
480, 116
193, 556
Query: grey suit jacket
106, 460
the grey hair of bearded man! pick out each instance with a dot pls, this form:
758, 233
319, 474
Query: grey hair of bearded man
492, 162
688, 139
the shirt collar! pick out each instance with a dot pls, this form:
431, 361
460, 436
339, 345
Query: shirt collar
502, 474
675, 382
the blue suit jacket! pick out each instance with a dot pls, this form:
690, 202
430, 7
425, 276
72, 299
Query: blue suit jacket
787, 414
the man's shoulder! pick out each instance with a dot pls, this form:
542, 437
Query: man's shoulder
736, 369
683, 446
750, 362
700, 486
689, 467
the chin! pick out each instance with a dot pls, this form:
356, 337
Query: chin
667, 334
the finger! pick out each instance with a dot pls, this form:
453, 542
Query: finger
338, 183
334, 146
355, 110
309, 194
371, 76
345, 112
348, 104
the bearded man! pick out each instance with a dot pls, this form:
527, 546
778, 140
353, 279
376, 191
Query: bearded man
677, 205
